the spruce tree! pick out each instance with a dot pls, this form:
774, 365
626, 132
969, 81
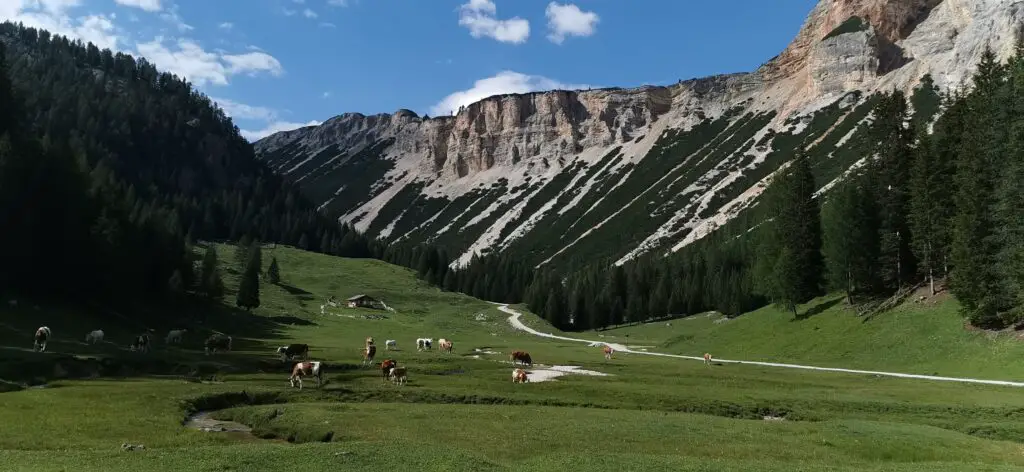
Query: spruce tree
798, 265
892, 168
1010, 206
249, 288
931, 181
274, 272
850, 236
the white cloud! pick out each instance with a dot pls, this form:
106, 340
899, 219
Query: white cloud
147, 5
480, 17
328, 24
309, 13
326, 95
299, 1
187, 58
569, 20
337, 3
171, 16
277, 126
226, 25
503, 83
241, 111
54, 16
289, 12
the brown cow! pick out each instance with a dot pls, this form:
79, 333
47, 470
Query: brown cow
400, 375
302, 369
519, 376
608, 351
446, 345
368, 354
707, 359
385, 368
522, 357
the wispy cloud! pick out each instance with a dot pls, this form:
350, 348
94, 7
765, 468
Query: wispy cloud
502, 83
327, 24
275, 127
226, 25
309, 13
147, 5
187, 58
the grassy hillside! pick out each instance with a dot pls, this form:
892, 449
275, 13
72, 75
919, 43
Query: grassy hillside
924, 338
460, 411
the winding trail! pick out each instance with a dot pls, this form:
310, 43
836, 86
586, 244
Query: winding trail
517, 324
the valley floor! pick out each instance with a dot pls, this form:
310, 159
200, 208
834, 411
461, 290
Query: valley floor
460, 411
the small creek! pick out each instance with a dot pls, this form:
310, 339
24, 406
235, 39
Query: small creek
202, 421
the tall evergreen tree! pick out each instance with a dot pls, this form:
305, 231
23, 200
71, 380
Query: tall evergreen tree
850, 236
274, 272
249, 288
1010, 205
895, 142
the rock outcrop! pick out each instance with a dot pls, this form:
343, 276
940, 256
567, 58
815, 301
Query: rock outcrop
505, 153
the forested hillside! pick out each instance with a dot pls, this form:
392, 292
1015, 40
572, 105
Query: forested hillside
110, 169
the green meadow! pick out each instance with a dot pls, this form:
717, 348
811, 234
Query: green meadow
72, 407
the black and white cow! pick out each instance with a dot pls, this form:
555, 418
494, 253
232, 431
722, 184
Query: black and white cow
292, 350
141, 343
218, 342
41, 337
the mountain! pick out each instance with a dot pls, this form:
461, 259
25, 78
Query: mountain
565, 178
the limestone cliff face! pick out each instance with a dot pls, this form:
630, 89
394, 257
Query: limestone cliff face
520, 140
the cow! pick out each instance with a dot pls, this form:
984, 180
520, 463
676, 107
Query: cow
41, 337
423, 344
369, 340
707, 359
217, 342
521, 357
368, 354
608, 351
519, 376
175, 335
302, 369
292, 350
385, 368
399, 374
390, 344
445, 345
94, 336
141, 343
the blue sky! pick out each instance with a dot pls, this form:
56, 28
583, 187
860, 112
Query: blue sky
279, 64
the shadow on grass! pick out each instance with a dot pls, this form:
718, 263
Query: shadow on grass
817, 309
291, 320
292, 290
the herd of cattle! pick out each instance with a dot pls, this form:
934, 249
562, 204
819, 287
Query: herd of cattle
216, 342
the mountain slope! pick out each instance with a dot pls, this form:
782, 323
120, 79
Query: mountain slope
567, 177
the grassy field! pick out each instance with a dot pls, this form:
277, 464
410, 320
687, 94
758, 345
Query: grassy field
460, 411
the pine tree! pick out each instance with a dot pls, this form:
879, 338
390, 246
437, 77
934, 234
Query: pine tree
892, 169
208, 272
850, 236
798, 266
249, 288
1010, 206
930, 182
274, 272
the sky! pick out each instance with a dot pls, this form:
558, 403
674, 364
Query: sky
274, 65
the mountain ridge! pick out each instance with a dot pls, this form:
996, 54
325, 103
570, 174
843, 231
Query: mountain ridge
566, 175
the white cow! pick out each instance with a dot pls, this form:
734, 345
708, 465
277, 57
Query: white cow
302, 369
94, 336
445, 345
390, 344
399, 375
174, 336
423, 344
41, 337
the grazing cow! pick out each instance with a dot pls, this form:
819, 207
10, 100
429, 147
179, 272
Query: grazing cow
707, 359
608, 351
369, 340
141, 343
368, 354
323, 309
41, 337
445, 345
423, 344
302, 369
292, 350
217, 342
385, 368
94, 336
175, 335
399, 374
522, 357
390, 344
519, 376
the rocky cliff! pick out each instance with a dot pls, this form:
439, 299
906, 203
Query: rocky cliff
567, 176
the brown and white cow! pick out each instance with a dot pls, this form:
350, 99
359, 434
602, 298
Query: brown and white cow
707, 359
445, 345
522, 357
399, 375
368, 354
307, 368
519, 376
41, 337
607, 351
385, 368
